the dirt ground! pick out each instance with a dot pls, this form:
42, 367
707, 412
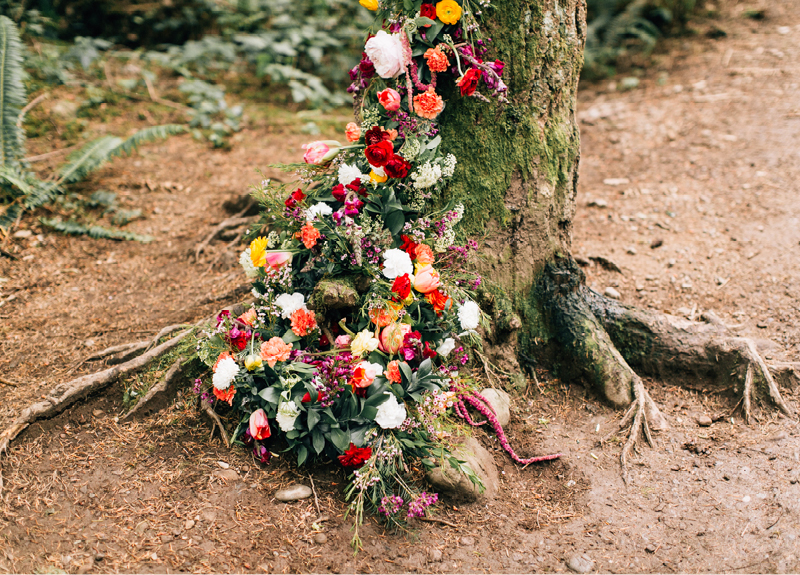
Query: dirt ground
688, 184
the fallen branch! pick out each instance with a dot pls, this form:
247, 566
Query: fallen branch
215, 418
42, 157
437, 520
4, 381
153, 96
30, 106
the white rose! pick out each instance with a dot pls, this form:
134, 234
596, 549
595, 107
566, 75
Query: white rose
225, 372
290, 303
348, 173
391, 414
446, 347
247, 264
318, 210
469, 315
386, 53
287, 413
363, 342
396, 263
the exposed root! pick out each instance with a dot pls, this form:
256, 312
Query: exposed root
149, 402
122, 348
233, 222
218, 423
640, 427
164, 331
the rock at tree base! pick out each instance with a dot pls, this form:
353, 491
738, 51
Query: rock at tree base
293, 493
580, 563
451, 482
500, 402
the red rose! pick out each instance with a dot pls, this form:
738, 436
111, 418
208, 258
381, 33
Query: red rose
339, 192
402, 286
409, 246
297, 196
428, 11
239, 342
355, 456
469, 81
376, 134
397, 167
307, 397
379, 154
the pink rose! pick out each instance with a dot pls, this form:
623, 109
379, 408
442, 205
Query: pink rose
259, 425
426, 280
320, 152
276, 260
389, 99
342, 341
391, 338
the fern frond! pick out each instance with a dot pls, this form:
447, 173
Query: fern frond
87, 159
12, 94
74, 228
9, 214
147, 135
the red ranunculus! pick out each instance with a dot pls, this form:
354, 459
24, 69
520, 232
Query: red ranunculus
307, 397
438, 300
402, 286
427, 352
469, 81
397, 167
297, 196
355, 457
428, 11
339, 192
358, 188
379, 154
409, 246
376, 134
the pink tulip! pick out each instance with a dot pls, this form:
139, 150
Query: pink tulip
392, 337
276, 260
321, 151
426, 279
389, 99
259, 425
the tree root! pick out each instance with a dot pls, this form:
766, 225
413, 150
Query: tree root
603, 338
209, 411
155, 397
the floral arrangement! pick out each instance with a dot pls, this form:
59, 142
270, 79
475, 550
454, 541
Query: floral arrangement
356, 346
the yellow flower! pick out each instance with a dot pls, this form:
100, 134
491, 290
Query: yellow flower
369, 4
379, 177
252, 362
363, 342
258, 251
448, 11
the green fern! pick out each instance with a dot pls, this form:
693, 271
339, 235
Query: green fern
147, 135
74, 228
12, 94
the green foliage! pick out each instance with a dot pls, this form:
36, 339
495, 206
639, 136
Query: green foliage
211, 114
619, 30
12, 94
74, 228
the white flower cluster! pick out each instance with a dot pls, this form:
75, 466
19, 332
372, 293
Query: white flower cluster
426, 176
391, 414
396, 263
410, 149
247, 264
290, 303
469, 315
350, 172
449, 166
273, 239
287, 413
318, 210
227, 369
371, 117
449, 236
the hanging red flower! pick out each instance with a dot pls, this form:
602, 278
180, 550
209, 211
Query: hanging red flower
355, 457
469, 81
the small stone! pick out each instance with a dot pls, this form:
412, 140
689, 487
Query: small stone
88, 343
612, 293
208, 515
746, 499
599, 203
293, 493
98, 412
616, 181
783, 30
671, 262
23, 234
629, 83
447, 480
467, 541
141, 527
223, 465
631, 250
650, 548
703, 420
320, 538
434, 555
188, 524
500, 402
226, 474
580, 563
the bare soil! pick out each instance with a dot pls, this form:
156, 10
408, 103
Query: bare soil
708, 219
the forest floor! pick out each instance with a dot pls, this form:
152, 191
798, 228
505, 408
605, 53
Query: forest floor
688, 185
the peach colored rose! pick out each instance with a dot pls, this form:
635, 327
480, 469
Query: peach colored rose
437, 60
275, 350
426, 279
353, 132
428, 104
424, 254
392, 337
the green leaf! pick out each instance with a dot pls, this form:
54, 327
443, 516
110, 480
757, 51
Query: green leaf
376, 400
313, 418
424, 369
395, 221
340, 439
302, 455
369, 412
423, 21
434, 143
290, 336
270, 394
405, 370
318, 441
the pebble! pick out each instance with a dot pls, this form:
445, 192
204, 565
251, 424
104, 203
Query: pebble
141, 527
631, 250
467, 541
616, 181
650, 548
98, 412
580, 563
23, 234
612, 293
703, 420
598, 203
226, 474
434, 555
320, 538
746, 499
293, 493
188, 524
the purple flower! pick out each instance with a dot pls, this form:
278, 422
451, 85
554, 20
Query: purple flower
390, 505
262, 454
417, 507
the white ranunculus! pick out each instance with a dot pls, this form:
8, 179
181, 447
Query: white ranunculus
318, 210
446, 347
290, 303
386, 53
391, 414
225, 372
469, 315
247, 264
287, 413
348, 173
363, 343
396, 263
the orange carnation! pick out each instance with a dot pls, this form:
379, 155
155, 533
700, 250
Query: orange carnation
437, 60
392, 372
248, 317
225, 394
438, 300
303, 322
309, 235
275, 350
428, 104
424, 254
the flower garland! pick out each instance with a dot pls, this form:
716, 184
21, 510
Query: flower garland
356, 346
